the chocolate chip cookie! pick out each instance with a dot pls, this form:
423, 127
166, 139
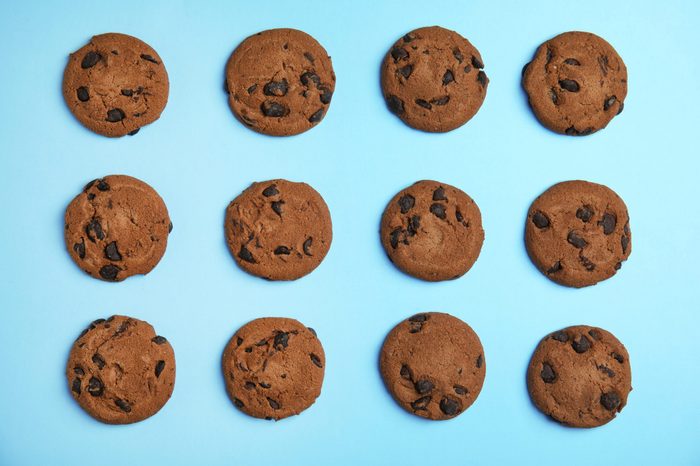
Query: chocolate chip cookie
576, 83
117, 227
432, 231
580, 376
115, 85
577, 233
433, 365
273, 368
120, 371
280, 82
433, 79
278, 229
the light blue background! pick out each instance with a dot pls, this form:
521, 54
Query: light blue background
199, 157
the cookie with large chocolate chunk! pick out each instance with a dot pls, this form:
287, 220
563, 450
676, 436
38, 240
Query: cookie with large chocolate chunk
278, 229
433, 79
580, 376
576, 83
273, 368
577, 233
432, 231
117, 227
115, 85
280, 82
120, 371
433, 365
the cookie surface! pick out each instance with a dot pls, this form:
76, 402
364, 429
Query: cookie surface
273, 368
115, 84
117, 227
280, 82
580, 376
120, 371
278, 229
433, 365
432, 79
576, 83
432, 231
577, 233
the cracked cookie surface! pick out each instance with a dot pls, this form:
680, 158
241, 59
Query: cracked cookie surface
580, 376
433, 365
432, 231
273, 368
119, 371
433, 79
115, 85
278, 229
576, 83
117, 227
280, 82
577, 233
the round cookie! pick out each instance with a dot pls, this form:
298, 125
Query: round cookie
278, 229
432, 79
273, 368
280, 82
120, 371
117, 227
580, 376
576, 83
432, 231
433, 365
577, 233
115, 85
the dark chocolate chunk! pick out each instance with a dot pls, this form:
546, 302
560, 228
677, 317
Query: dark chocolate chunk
252, 88
584, 214
276, 88
317, 116
610, 401
246, 255
476, 63
273, 109
326, 95
560, 336
582, 345
98, 360
112, 252
447, 78
281, 340
460, 390
406, 202
79, 248
277, 207
548, 375
449, 406
424, 386
556, 267
90, 59
395, 104
618, 357
575, 240
94, 230
441, 100
406, 372
479, 361
109, 272
413, 225
115, 115
572, 61
424, 104
76, 385
83, 94
127, 92
398, 53
608, 223
270, 191
569, 85
439, 194
458, 55
553, 96
316, 360
310, 77
159, 340
406, 71
250, 385
418, 318
307, 246
123, 405
540, 220
149, 58
95, 387
273, 404
309, 57
624, 242
609, 102
482, 78
238, 403
606, 370
439, 211
282, 250
160, 365
421, 403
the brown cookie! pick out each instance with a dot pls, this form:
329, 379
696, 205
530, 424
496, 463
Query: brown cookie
120, 371
117, 227
115, 85
433, 365
576, 83
280, 82
278, 229
432, 231
580, 376
577, 233
432, 79
273, 368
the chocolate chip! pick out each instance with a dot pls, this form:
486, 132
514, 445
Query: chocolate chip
603, 62
609, 102
95, 387
458, 55
575, 240
438, 210
608, 223
548, 375
406, 203
624, 241
476, 63
317, 116
398, 53
449, 406
79, 248
482, 78
277, 207
523, 70
83, 94
90, 59
413, 225
149, 58
109, 272
553, 96
423, 103
395, 104
309, 57
421, 403
310, 77
264, 385
76, 385
123, 405
459, 216
406, 71
159, 340
572, 61
98, 360
610, 401
439, 194
622, 106
270, 191
584, 214
394, 237
94, 230
102, 185
79, 371
582, 345
276, 88
560, 336
460, 390
112, 252
281, 340
406, 372
408, 37
540, 220
239, 404
441, 100
479, 361
595, 334
127, 92
89, 185
424, 386
252, 88
170, 227
312, 331
548, 56
307, 246
618, 266
419, 318
249, 385
96, 322
556, 267
447, 78
160, 365
569, 85
618, 357
606, 370
282, 250
245, 254
316, 360
626, 228
115, 115
273, 109
239, 341
326, 95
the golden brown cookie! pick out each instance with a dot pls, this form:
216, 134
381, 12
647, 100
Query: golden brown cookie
115, 85
273, 368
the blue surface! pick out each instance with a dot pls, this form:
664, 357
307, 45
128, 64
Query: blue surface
199, 157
